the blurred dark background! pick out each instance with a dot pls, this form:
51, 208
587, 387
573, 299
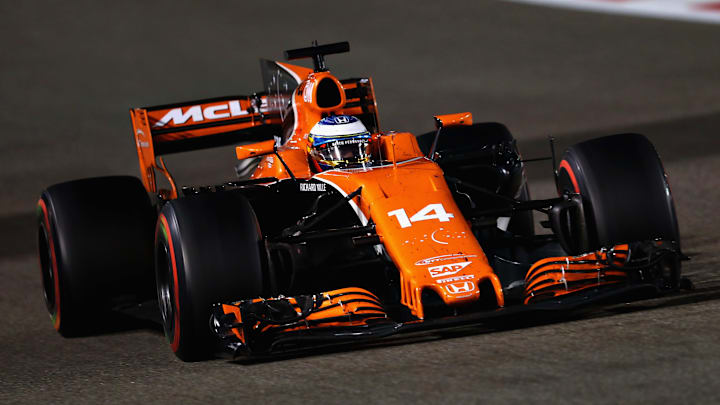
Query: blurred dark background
71, 70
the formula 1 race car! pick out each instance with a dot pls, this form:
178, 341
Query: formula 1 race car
342, 233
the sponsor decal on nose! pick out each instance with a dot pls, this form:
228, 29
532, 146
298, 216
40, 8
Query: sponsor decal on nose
456, 278
447, 269
441, 258
460, 288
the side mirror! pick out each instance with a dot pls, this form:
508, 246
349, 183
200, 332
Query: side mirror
445, 121
255, 149
453, 120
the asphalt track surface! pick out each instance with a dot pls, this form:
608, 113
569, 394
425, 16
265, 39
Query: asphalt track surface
70, 71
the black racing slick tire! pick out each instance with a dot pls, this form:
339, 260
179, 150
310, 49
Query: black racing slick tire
95, 244
208, 250
625, 192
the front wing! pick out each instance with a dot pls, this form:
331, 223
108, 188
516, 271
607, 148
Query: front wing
257, 329
554, 288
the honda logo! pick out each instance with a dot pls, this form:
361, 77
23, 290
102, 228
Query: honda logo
460, 288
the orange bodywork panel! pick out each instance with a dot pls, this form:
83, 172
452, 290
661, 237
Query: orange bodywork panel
255, 149
453, 120
295, 158
422, 230
398, 147
298, 72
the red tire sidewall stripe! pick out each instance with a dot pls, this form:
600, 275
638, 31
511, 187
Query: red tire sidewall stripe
175, 344
565, 165
51, 242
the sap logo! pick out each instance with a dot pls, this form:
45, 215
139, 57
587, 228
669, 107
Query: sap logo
312, 186
197, 113
460, 288
447, 269
457, 278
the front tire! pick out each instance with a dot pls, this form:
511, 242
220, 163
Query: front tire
208, 251
624, 189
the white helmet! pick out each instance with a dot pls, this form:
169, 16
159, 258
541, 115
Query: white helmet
339, 141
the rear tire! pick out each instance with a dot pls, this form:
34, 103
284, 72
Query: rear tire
624, 188
207, 251
95, 244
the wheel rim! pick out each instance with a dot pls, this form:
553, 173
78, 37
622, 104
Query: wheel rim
46, 269
165, 290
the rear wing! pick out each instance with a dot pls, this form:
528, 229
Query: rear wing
200, 124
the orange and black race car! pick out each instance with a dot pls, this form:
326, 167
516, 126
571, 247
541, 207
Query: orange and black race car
342, 233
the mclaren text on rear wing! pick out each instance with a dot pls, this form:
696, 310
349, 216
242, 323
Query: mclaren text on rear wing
201, 124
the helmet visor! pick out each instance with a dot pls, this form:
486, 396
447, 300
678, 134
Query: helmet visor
344, 152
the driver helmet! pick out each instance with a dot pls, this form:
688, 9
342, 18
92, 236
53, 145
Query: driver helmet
339, 141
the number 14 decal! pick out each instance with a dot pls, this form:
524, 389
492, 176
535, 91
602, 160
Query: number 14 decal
431, 211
